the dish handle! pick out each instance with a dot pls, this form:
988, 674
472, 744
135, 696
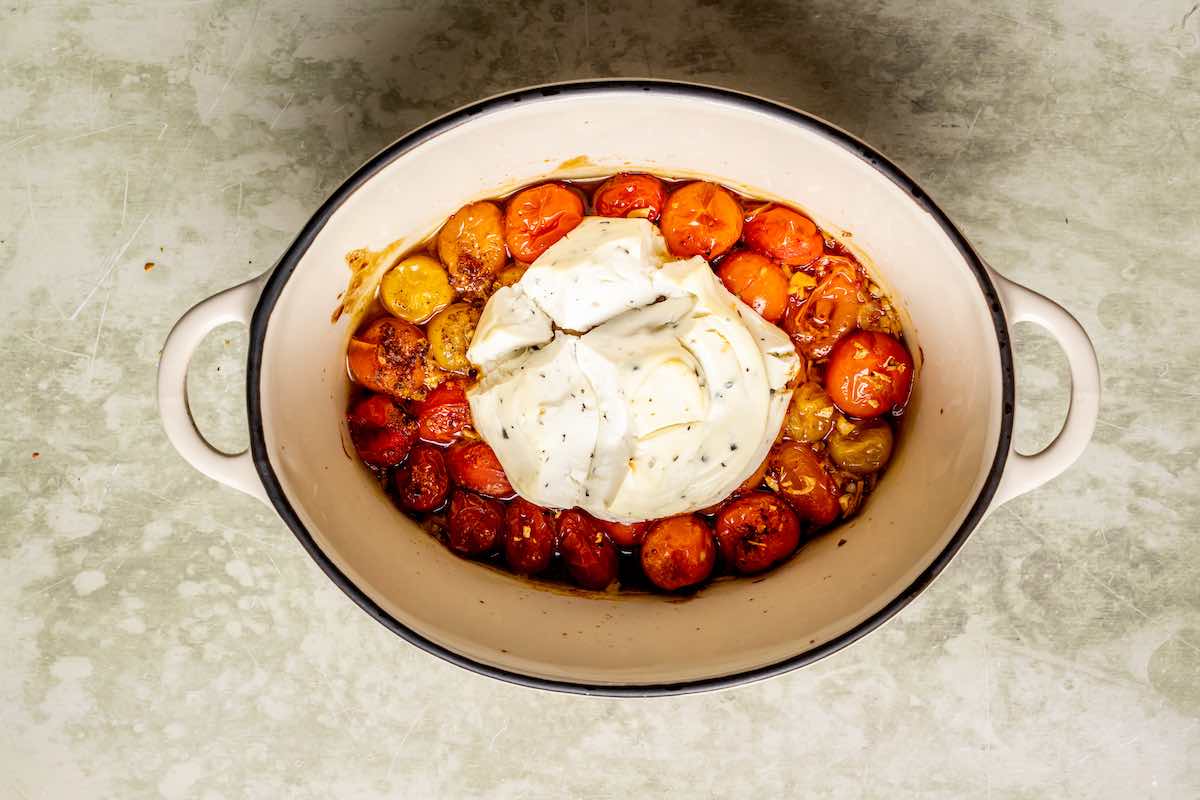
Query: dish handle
1027, 471
232, 305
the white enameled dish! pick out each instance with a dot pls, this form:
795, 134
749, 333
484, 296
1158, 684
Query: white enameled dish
954, 460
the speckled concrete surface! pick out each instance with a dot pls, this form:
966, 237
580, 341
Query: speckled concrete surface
166, 637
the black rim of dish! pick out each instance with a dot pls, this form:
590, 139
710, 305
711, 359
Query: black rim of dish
287, 263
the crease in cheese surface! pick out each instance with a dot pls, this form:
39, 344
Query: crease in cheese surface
624, 383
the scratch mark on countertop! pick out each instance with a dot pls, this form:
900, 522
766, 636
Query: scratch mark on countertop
14, 142
237, 63
125, 199
291, 96
86, 134
112, 263
99, 333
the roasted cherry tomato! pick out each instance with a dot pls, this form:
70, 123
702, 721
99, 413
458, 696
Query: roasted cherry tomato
445, 413
810, 414
829, 311
471, 245
630, 195
869, 374
389, 357
474, 524
625, 534
529, 537
589, 554
474, 466
701, 219
861, 447
756, 532
422, 483
757, 281
787, 236
678, 552
797, 474
381, 431
538, 217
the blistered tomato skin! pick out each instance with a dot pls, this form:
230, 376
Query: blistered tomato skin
625, 534
796, 473
474, 523
630, 194
473, 465
785, 235
756, 532
471, 245
701, 219
757, 281
389, 357
382, 433
678, 552
538, 217
869, 374
529, 537
445, 413
421, 482
589, 554
829, 312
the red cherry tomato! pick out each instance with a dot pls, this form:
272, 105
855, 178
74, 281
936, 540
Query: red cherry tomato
474, 523
474, 466
421, 483
625, 193
625, 534
382, 433
701, 219
869, 374
445, 413
757, 281
756, 532
538, 217
797, 474
529, 537
589, 554
678, 552
785, 235
827, 313
389, 357
746, 486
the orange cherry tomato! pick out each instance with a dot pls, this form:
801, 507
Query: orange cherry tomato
445, 413
625, 534
538, 217
797, 474
785, 235
869, 374
474, 466
382, 433
829, 311
678, 552
757, 281
701, 219
756, 532
389, 357
622, 195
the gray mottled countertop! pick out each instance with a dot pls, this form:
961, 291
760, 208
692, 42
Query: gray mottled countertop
165, 637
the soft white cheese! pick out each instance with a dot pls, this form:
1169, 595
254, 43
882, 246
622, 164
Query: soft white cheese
658, 395
510, 323
598, 270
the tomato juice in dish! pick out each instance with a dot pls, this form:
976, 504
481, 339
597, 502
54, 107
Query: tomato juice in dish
626, 383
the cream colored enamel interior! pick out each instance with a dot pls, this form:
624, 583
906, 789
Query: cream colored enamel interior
946, 448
